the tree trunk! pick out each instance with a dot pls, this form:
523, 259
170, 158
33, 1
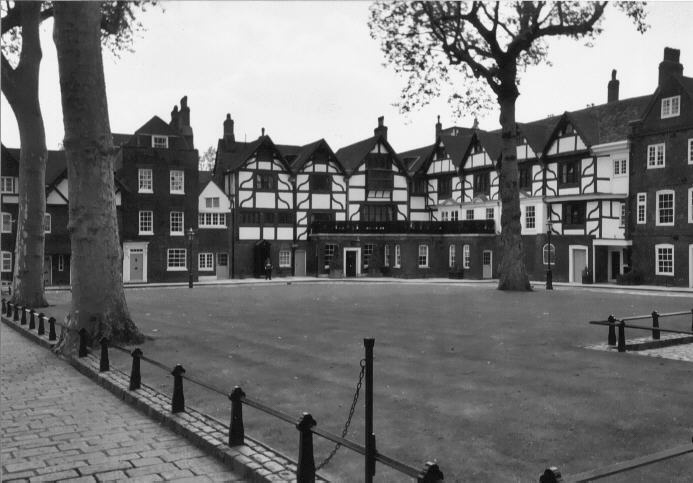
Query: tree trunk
98, 299
20, 87
513, 273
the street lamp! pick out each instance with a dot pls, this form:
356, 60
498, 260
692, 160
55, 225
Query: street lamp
191, 237
549, 274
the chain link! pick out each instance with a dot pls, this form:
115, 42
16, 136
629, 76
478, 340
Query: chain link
348, 421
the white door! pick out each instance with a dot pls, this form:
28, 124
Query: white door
579, 257
487, 264
136, 264
300, 263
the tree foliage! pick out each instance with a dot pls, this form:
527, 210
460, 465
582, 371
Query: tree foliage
207, 159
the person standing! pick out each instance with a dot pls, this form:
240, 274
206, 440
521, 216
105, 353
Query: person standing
268, 269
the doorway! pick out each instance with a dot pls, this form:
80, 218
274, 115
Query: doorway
487, 264
614, 265
262, 253
300, 263
578, 263
136, 264
222, 266
351, 263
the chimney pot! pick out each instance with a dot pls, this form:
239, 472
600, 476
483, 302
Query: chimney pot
612, 88
263, 131
381, 130
229, 136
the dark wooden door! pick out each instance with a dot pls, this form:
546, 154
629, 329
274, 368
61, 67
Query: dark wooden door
351, 263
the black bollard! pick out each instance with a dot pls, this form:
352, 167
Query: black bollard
4, 306
15, 315
51, 329
430, 474
82, 342
104, 364
236, 430
178, 400
622, 336
611, 338
23, 322
41, 324
135, 377
32, 319
551, 475
655, 325
8, 312
305, 471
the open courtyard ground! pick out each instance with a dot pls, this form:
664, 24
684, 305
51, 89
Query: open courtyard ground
496, 386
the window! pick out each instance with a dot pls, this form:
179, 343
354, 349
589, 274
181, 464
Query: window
212, 202
641, 208
620, 167
690, 151
444, 216
61, 263
419, 186
423, 256
569, 173
176, 260
177, 181
665, 208
328, 255
482, 185
398, 256
47, 223
145, 178
530, 217
146, 223
489, 213
444, 187
622, 216
6, 223
176, 219
367, 254
664, 255
671, 106
454, 215
6, 261
8, 184
249, 217
160, 142
320, 183
377, 213
205, 261
285, 258
525, 176
655, 156
573, 214
549, 253
470, 214
386, 256
451, 256
264, 181
466, 256
690, 205
212, 220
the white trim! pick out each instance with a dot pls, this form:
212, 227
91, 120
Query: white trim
8, 216
655, 152
139, 222
466, 256
358, 260
427, 255
642, 204
182, 223
156, 138
690, 205
673, 207
204, 267
609, 147
397, 262
667, 105
140, 171
656, 259
170, 182
279, 259
571, 262
47, 222
599, 242
6, 253
177, 268
127, 247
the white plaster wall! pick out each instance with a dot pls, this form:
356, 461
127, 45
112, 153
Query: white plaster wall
285, 233
268, 233
321, 201
400, 182
264, 200
357, 194
399, 195
245, 198
341, 199
248, 233
286, 200
417, 202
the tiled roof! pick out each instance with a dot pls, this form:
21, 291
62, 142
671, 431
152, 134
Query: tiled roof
231, 156
457, 146
304, 153
492, 143
538, 132
156, 125
204, 177
56, 166
353, 155
414, 159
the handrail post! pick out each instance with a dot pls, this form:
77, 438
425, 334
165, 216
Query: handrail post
622, 336
41, 324
178, 399
104, 363
82, 343
430, 473
32, 319
370, 437
51, 329
611, 338
551, 475
23, 322
655, 325
236, 430
135, 376
305, 470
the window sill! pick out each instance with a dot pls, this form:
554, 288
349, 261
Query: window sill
176, 269
177, 233
664, 274
176, 192
211, 227
656, 167
665, 224
146, 192
146, 233
205, 269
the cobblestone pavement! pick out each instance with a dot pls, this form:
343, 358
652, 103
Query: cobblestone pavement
57, 425
682, 352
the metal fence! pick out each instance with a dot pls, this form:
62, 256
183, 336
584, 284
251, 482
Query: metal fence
306, 425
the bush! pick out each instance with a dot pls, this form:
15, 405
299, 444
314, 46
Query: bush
629, 278
586, 275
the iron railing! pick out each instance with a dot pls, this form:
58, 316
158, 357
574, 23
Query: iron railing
389, 227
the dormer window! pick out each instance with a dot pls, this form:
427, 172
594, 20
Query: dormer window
160, 142
8, 184
671, 106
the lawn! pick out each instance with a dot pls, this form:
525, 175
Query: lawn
496, 386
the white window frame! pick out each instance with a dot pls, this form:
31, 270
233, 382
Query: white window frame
622, 216
641, 209
211, 220
671, 107
142, 222
690, 205
690, 151
466, 256
160, 142
8, 185
173, 182
452, 255
551, 251
620, 167
653, 155
6, 223
285, 258
469, 212
6, 261
174, 254
398, 256
61, 263
386, 255
664, 246
47, 222
212, 202
490, 211
171, 216
145, 180
205, 262
531, 218
455, 215
658, 214
423, 254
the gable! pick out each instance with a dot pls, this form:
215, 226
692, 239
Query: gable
212, 190
565, 139
680, 87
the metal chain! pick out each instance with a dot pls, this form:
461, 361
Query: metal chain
348, 421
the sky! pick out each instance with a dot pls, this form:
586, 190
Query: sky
310, 70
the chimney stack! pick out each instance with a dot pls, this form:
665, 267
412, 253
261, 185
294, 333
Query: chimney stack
381, 130
180, 120
263, 132
670, 65
229, 137
612, 94
439, 127
174, 118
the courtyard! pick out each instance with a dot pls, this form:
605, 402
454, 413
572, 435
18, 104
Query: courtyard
495, 386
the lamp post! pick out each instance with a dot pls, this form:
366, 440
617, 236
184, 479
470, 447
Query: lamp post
549, 274
191, 237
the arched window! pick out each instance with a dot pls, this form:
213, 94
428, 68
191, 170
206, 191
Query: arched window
549, 253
